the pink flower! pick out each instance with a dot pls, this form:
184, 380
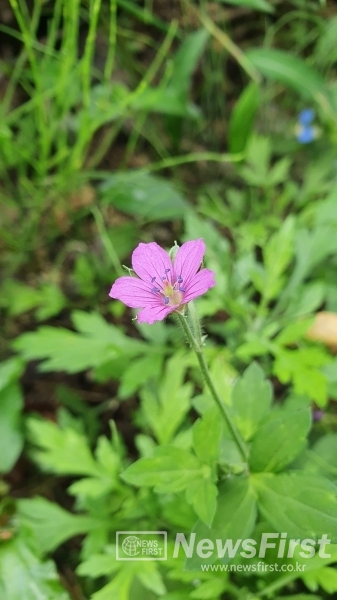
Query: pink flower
163, 285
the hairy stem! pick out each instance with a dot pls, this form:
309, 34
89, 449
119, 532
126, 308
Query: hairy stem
196, 345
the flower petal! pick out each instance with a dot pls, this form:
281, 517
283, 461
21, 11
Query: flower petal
134, 292
188, 260
150, 314
199, 284
149, 261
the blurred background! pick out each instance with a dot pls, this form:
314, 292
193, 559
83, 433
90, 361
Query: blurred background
124, 121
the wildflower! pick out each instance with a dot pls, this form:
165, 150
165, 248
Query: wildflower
305, 132
306, 116
163, 285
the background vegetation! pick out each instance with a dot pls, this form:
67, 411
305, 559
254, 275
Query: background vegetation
128, 121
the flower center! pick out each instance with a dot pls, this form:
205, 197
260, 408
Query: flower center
169, 294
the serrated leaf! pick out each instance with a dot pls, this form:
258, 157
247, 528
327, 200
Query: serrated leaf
139, 372
279, 439
119, 587
210, 590
62, 451
251, 399
302, 505
64, 350
325, 577
23, 575
202, 495
234, 520
301, 366
165, 405
18, 297
50, 524
98, 565
293, 332
170, 469
277, 255
206, 433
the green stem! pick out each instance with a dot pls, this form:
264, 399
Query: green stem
206, 374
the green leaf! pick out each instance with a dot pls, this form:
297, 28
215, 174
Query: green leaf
165, 407
145, 196
202, 495
165, 100
171, 98
186, 60
140, 371
170, 469
251, 399
52, 301
302, 505
277, 254
293, 332
131, 573
301, 366
210, 590
119, 587
234, 520
206, 434
325, 577
150, 577
262, 5
10, 371
97, 343
242, 118
62, 451
97, 565
289, 70
279, 439
11, 432
50, 524
18, 297
23, 575
322, 457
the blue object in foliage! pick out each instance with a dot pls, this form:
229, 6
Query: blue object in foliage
305, 132
306, 116
305, 135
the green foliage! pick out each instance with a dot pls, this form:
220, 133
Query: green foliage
305, 506
115, 123
11, 404
289, 70
242, 118
143, 195
251, 398
33, 577
49, 525
262, 5
279, 439
164, 407
96, 344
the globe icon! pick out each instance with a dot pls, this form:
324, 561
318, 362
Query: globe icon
129, 545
